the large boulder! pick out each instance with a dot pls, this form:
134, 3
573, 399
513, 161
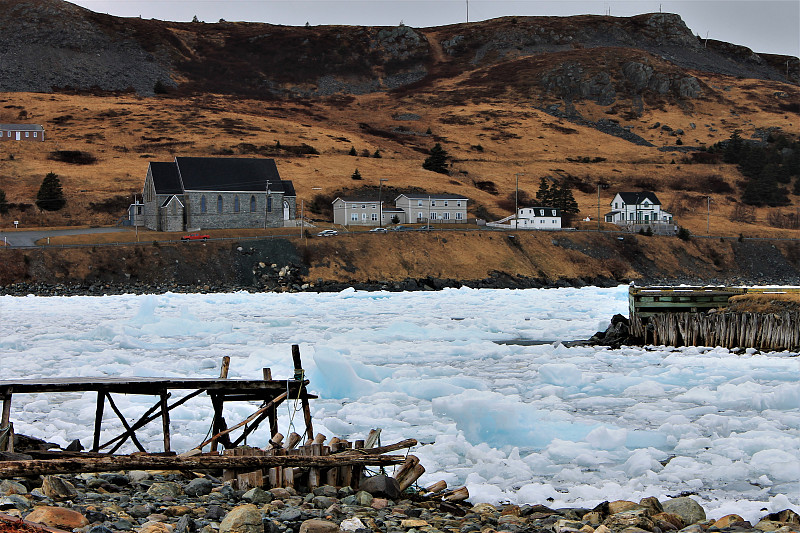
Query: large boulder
167, 489
381, 486
58, 517
689, 510
318, 526
198, 487
242, 519
58, 488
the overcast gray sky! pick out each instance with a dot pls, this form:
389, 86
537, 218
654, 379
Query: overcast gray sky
769, 26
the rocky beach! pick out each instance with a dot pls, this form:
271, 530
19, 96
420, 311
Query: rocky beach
199, 502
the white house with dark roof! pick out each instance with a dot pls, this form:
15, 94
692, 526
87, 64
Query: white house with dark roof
444, 208
216, 192
21, 132
531, 218
630, 208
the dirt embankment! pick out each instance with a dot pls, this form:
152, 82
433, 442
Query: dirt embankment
406, 261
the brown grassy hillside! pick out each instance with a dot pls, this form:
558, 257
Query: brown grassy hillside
490, 139
620, 102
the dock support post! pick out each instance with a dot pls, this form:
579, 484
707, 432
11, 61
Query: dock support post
98, 419
165, 419
5, 425
298, 375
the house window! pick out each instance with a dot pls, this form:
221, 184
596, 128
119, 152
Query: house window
354, 217
363, 216
458, 216
446, 215
433, 203
541, 212
554, 212
458, 203
615, 205
253, 204
27, 134
374, 217
374, 206
433, 216
445, 203
541, 221
363, 206
203, 204
235, 204
419, 203
419, 215
138, 210
269, 204
219, 203
34, 134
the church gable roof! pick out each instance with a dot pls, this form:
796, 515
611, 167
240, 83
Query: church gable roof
165, 178
228, 174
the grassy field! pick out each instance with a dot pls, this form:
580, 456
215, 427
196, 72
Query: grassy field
490, 140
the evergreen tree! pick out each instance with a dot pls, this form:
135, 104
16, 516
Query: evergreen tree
356, 175
437, 160
563, 199
50, 196
377, 154
352, 151
544, 197
3, 202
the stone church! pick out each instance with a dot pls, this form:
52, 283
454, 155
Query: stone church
194, 193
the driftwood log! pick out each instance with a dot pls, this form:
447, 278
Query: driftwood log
408, 443
144, 462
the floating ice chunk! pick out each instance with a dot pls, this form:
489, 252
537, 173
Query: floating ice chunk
640, 462
604, 438
333, 377
563, 374
781, 465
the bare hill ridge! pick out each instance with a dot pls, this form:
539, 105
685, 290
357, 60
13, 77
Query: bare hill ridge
52, 44
620, 103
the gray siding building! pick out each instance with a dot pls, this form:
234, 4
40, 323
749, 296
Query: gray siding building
193, 193
445, 208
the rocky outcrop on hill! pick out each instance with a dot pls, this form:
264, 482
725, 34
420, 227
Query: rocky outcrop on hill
51, 44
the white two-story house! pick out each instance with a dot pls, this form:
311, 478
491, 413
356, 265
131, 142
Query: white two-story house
637, 208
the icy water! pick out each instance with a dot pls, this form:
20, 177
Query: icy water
522, 422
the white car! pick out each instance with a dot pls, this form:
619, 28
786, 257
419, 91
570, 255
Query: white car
378, 230
327, 233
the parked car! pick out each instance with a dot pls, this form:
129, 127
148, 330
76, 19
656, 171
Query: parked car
195, 237
401, 228
378, 230
327, 233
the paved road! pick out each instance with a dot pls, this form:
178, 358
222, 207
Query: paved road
29, 238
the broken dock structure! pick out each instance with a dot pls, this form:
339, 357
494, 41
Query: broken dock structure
696, 316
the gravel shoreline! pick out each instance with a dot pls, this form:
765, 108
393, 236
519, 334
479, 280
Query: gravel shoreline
175, 502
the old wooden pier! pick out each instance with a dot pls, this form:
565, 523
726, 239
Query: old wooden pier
303, 462
694, 316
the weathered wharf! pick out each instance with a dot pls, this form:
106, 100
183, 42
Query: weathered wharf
221, 390
686, 316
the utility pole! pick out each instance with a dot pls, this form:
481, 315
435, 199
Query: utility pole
598, 206
380, 204
708, 215
302, 216
468, 11
516, 200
